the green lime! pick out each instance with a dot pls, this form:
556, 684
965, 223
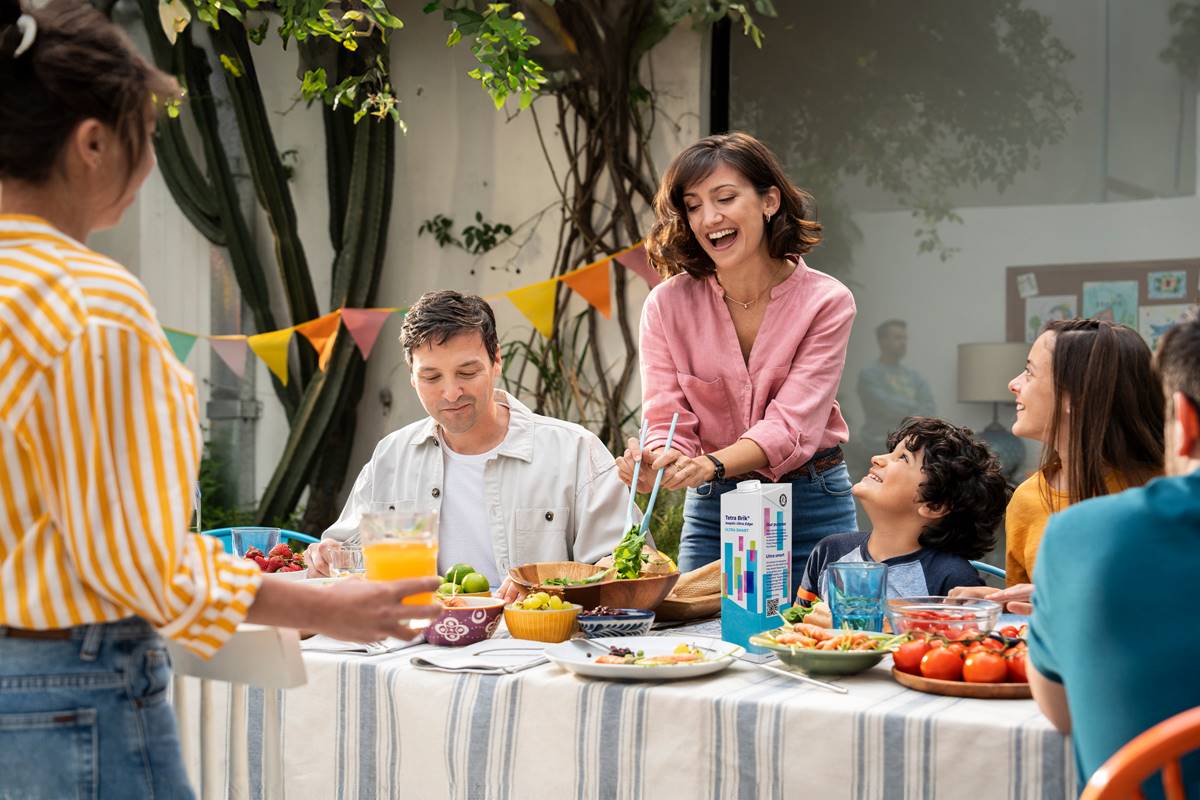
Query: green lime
459, 571
475, 583
449, 588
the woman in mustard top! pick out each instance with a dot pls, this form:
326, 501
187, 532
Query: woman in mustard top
1089, 395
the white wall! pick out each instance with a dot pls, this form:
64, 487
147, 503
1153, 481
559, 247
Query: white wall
460, 156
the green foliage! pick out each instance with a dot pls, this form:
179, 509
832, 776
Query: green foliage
477, 238
552, 375
500, 43
1184, 49
216, 508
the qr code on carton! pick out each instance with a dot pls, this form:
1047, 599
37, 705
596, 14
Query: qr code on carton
773, 605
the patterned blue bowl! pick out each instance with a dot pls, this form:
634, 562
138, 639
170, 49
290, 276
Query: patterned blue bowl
631, 622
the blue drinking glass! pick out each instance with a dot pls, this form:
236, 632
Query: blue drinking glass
262, 538
857, 592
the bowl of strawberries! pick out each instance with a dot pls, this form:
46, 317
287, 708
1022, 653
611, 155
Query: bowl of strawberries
279, 560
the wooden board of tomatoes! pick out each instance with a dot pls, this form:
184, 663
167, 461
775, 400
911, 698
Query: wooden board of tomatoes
991, 666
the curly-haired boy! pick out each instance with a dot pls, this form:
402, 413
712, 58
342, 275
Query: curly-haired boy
934, 502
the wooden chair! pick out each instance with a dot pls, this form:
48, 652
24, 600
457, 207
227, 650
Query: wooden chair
1159, 748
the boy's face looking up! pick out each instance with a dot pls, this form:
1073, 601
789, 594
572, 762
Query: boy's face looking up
892, 487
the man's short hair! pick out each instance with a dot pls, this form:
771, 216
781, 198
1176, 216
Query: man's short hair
437, 316
962, 478
882, 330
1178, 359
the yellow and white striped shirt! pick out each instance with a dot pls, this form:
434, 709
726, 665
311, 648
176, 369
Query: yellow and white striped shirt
99, 448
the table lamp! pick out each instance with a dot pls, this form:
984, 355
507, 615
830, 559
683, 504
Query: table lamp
984, 370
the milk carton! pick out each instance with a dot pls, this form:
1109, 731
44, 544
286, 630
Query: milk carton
756, 559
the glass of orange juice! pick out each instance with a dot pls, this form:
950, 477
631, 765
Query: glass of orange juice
401, 544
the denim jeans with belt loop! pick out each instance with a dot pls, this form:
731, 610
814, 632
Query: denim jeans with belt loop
821, 505
87, 715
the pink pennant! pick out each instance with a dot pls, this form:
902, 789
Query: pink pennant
233, 352
636, 260
364, 325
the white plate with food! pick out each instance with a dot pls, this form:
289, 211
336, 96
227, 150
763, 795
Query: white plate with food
644, 658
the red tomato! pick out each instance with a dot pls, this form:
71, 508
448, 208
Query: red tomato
957, 648
942, 664
1009, 631
907, 657
984, 668
1016, 667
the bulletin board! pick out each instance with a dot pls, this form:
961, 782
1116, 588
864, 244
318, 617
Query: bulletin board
1149, 296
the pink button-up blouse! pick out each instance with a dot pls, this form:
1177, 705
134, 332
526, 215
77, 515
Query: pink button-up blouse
783, 400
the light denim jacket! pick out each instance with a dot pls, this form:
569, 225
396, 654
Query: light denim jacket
552, 490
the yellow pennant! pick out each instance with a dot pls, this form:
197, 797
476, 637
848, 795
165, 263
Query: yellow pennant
272, 348
536, 302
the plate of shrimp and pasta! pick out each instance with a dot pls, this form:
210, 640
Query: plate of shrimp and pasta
826, 651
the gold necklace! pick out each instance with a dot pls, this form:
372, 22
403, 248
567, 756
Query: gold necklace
746, 306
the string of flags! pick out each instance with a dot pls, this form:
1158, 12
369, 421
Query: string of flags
535, 302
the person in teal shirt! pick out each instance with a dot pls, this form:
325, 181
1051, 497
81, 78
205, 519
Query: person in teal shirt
1113, 649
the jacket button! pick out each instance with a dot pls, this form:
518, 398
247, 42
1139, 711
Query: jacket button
437, 492
549, 516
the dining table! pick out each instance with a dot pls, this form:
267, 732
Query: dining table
376, 726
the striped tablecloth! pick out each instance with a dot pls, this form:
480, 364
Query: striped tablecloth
379, 728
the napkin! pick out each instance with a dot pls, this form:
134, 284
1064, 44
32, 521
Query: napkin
489, 657
326, 644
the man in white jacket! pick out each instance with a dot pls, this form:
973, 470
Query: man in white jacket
509, 486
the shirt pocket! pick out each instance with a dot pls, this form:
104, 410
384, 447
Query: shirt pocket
540, 534
709, 401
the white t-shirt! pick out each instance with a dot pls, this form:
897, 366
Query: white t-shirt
464, 536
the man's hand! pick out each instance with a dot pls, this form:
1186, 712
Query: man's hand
316, 556
510, 592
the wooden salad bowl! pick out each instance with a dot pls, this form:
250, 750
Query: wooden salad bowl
644, 593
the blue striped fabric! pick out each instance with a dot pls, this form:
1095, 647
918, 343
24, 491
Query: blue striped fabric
377, 728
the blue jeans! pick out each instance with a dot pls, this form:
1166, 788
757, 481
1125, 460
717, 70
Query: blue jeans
89, 716
821, 505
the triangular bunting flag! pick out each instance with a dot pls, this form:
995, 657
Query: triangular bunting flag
180, 342
272, 348
536, 302
321, 334
364, 325
591, 282
636, 260
232, 350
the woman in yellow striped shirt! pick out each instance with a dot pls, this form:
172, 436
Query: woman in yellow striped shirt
99, 443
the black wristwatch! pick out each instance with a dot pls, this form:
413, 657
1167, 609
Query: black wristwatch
719, 475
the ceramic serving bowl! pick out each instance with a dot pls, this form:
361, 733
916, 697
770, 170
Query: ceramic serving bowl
644, 593
631, 622
474, 621
823, 662
543, 625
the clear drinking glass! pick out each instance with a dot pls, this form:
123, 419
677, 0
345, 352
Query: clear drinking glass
857, 592
401, 544
262, 538
346, 560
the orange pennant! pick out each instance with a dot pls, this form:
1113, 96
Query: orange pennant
591, 283
321, 334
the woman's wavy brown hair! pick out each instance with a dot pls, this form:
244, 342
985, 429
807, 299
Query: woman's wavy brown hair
81, 66
671, 245
1115, 422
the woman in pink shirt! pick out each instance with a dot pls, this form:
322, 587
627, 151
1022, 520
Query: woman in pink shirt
747, 343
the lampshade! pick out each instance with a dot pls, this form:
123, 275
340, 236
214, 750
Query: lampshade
985, 368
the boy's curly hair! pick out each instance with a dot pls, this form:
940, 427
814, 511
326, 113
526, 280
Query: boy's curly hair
963, 478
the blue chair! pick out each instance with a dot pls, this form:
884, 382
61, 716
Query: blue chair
988, 569
226, 537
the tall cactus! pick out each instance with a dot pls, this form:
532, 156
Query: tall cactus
320, 405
